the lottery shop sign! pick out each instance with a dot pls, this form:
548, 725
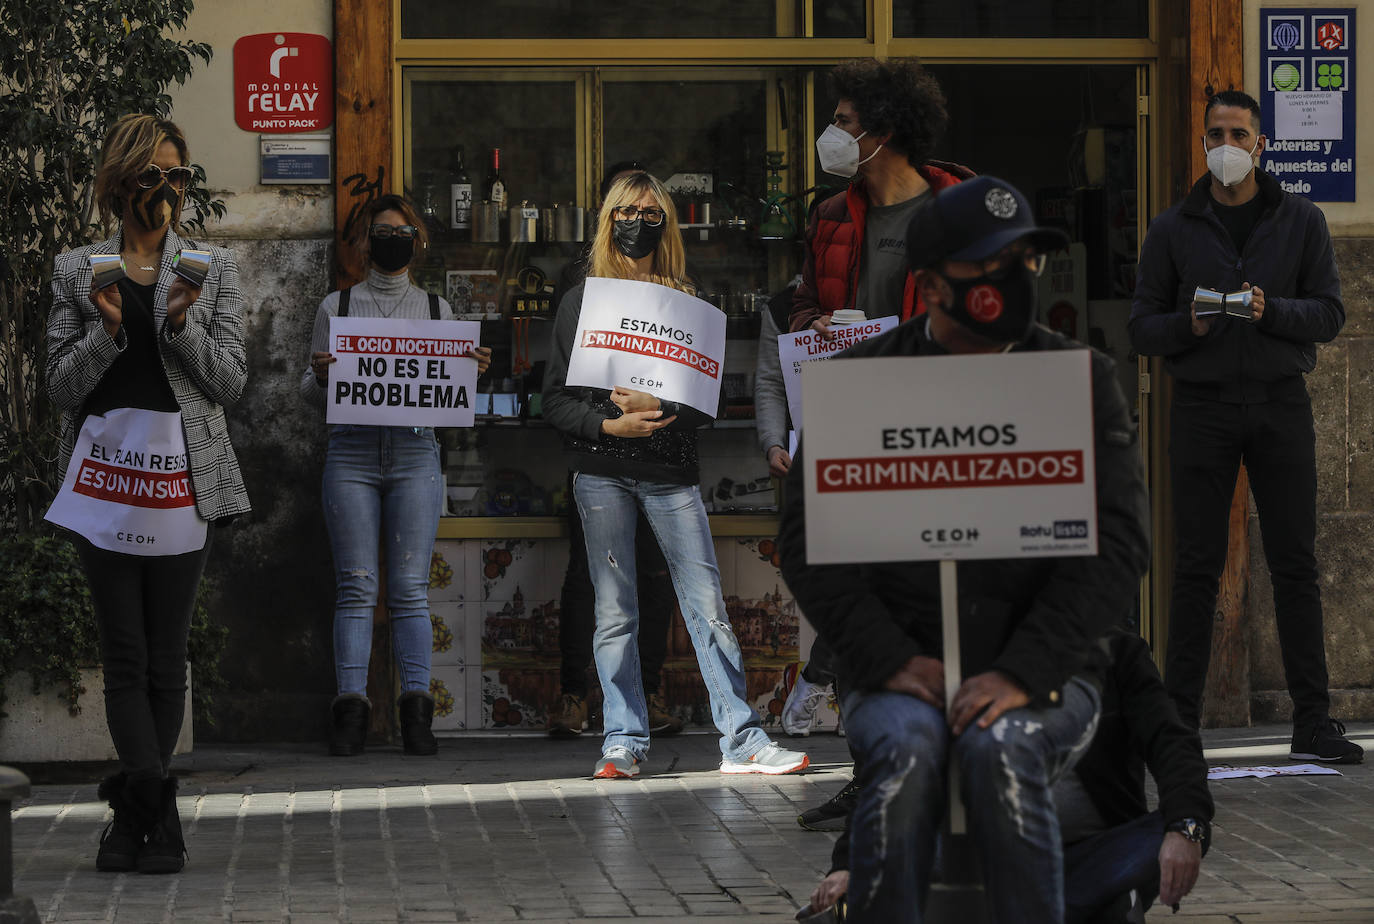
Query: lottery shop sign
283, 82
916, 458
650, 338
402, 373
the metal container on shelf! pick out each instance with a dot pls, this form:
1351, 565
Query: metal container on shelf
524, 223
569, 223
486, 223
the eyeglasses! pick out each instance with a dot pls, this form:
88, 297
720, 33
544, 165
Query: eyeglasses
652, 217
382, 232
177, 177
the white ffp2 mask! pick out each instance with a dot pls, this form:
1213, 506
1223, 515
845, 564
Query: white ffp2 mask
1230, 164
838, 151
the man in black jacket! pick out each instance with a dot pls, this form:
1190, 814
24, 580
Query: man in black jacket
1028, 705
1239, 396
1114, 844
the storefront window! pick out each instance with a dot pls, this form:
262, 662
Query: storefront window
1021, 19
607, 19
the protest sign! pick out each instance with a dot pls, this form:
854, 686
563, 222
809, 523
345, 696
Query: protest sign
953, 457
807, 345
650, 338
401, 373
127, 488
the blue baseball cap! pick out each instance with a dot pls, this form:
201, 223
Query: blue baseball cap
973, 221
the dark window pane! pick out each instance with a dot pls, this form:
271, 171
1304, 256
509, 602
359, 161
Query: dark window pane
591, 19
1022, 18
839, 18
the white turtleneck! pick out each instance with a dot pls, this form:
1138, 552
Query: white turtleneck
378, 296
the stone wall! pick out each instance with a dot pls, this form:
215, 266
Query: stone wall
1342, 388
272, 568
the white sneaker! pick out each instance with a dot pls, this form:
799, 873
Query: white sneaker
772, 760
616, 764
799, 712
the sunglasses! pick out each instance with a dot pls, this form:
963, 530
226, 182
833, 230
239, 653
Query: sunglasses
382, 232
177, 177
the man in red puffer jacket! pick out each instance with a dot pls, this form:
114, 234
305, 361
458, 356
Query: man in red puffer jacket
889, 118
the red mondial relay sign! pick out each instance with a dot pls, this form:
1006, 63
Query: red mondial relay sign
283, 82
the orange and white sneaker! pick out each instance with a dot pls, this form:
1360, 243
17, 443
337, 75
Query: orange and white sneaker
616, 764
772, 760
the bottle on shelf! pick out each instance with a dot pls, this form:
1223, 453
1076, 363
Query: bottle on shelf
495, 191
460, 193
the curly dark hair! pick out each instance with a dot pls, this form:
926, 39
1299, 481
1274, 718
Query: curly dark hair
898, 96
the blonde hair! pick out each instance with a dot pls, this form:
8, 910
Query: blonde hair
129, 148
669, 266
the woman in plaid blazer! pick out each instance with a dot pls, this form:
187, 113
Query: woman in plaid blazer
152, 341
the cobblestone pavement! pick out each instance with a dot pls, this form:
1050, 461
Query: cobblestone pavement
511, 828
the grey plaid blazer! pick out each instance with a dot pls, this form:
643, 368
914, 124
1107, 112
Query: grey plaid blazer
205, 363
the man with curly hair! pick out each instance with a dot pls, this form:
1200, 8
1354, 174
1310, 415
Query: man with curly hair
889, 117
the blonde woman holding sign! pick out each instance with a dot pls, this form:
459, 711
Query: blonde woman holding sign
142, 365
631, 452
381, 481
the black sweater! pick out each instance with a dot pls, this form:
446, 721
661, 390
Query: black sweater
1288, 255
667, 456
1034, 619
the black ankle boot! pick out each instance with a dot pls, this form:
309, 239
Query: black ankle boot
123, 836
165, 849
348, 733
417, 713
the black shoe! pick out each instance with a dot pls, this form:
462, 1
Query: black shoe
832, 815
348, 732
416, 709
124, 835
1326, 743
165, 849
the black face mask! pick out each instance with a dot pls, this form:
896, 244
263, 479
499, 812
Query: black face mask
1000, 309
391, 253
636, 239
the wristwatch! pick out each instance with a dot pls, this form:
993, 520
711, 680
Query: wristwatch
1194, 829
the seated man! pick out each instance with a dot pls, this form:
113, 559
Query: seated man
1028, 706
1114, 845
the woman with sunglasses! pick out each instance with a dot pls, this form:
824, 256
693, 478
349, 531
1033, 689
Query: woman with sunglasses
631, 452
164, 354
381, 481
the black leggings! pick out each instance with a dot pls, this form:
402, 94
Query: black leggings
143, 608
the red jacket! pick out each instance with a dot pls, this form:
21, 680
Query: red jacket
830, 274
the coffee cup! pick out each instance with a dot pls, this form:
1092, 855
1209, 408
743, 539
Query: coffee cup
847, 316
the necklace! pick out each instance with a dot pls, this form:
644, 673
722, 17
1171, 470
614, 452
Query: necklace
395, 303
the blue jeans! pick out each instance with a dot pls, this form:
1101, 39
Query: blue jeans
382, 482
1102, 868
609, 508
1006, 775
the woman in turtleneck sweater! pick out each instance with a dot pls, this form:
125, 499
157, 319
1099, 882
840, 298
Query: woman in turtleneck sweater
381, 481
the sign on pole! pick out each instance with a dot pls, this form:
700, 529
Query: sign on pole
401, 373
650, 338
1307, 104
957, 457
807, 346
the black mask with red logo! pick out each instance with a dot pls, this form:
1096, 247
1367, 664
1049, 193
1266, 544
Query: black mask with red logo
999, 308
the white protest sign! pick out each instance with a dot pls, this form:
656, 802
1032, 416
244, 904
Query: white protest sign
807, 345
650, 338
127, 487
956, 457
401, 373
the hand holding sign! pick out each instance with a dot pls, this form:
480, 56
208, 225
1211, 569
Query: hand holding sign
640, 414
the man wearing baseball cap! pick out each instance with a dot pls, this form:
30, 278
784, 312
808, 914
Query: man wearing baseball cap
1028, 704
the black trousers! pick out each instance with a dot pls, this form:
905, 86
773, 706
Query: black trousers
657, 602
1275, 438
143, 608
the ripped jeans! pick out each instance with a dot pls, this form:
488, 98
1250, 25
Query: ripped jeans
382, 484
1006, 774
608, 506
